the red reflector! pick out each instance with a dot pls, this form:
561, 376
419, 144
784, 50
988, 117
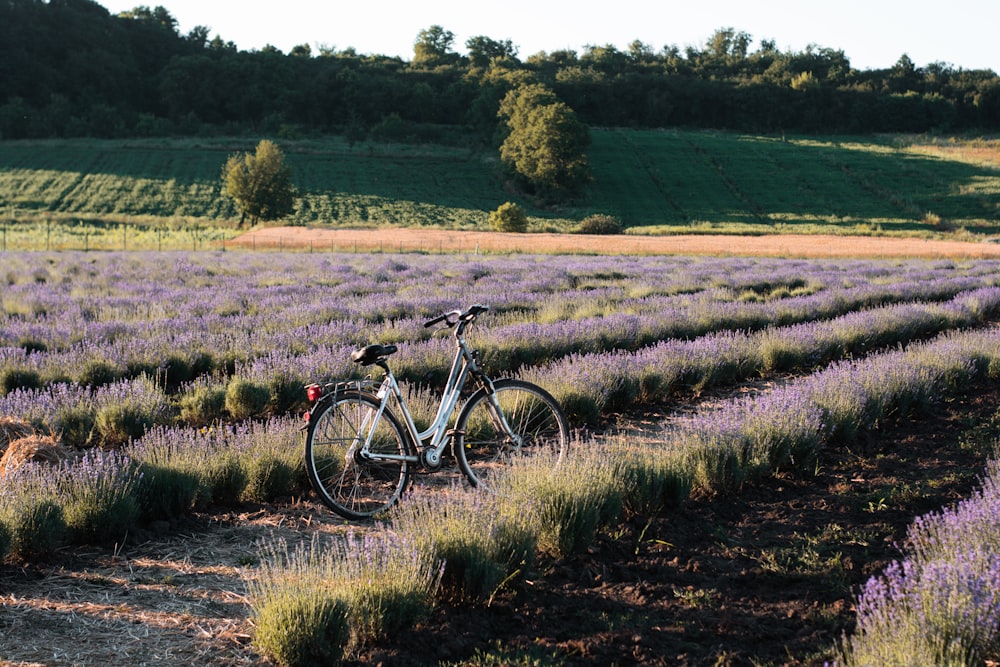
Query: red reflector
305, 416
313, 392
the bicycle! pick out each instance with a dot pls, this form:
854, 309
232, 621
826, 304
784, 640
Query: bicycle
360, 455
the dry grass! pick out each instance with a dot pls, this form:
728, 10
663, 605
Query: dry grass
12, 429
174, 598
42, 448
448, 241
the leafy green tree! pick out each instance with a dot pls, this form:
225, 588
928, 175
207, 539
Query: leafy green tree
433, 46
261, 183
546, 144
482, 50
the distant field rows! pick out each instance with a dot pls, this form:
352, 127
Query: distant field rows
654, 181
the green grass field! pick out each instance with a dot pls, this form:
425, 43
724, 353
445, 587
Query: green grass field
167, 192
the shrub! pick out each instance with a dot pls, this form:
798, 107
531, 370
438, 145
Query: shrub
97, 374
653, 476
5, 541
482, 543
100, 492
75, 425
245, 398
267, 477
167, 491
177, 469
600, 223
568, 502
224, 477
32, 515
287, 393
384, 582
175, 371
509, 217
271, 459
301, 626
203, 405
118, 423
18, 378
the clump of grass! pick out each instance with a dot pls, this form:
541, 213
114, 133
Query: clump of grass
75, 425
299, 624
173, 464
125, 411
224, 477
246, 398
379, 583
654, 477
568, 500
32, 514
97, 374
202, 405
483, 542
12, 378
100, 496
272, 464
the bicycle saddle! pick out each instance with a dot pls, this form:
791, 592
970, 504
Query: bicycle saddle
369, 354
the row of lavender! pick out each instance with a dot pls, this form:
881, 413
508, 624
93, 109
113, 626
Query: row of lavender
951, 607
941, 604
142, 311
232, 336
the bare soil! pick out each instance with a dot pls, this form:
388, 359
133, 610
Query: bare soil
765, 577
440, 241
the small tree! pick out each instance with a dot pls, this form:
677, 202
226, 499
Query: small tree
509, 217
546, 144
261, 184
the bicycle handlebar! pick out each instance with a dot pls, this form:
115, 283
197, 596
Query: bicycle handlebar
453, 317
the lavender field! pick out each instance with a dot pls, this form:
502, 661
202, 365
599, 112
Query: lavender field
181, 375
80, 331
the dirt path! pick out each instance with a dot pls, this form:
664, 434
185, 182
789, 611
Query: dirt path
441, 241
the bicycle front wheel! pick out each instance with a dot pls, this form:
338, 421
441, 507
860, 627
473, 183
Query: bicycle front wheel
523, 420
351, 483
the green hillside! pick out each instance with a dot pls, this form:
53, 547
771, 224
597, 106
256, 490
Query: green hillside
654, 181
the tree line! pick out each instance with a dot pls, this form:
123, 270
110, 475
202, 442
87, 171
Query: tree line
70, 68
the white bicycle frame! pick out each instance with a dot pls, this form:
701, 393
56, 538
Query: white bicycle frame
431, 443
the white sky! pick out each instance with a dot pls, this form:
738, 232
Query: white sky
872, 33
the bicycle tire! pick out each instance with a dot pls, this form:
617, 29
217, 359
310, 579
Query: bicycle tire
353, 487
535, 417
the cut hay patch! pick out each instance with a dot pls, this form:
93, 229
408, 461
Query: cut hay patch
42, 448
11, 429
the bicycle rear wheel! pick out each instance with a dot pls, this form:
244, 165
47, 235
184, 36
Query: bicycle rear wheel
537, 424
351, 485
